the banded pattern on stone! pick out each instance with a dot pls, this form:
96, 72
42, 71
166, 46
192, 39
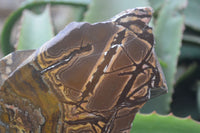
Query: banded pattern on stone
90, 78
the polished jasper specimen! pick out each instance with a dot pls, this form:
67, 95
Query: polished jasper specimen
90, 78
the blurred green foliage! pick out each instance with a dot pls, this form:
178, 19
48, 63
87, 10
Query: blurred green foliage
177, 34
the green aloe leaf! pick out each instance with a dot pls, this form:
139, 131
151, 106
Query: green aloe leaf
35, 30
101, 10
192, 16
191, 38
7, 47
70, 2
154, 123
168, 37
156, 4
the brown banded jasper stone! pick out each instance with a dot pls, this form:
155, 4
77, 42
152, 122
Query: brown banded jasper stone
90, 78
